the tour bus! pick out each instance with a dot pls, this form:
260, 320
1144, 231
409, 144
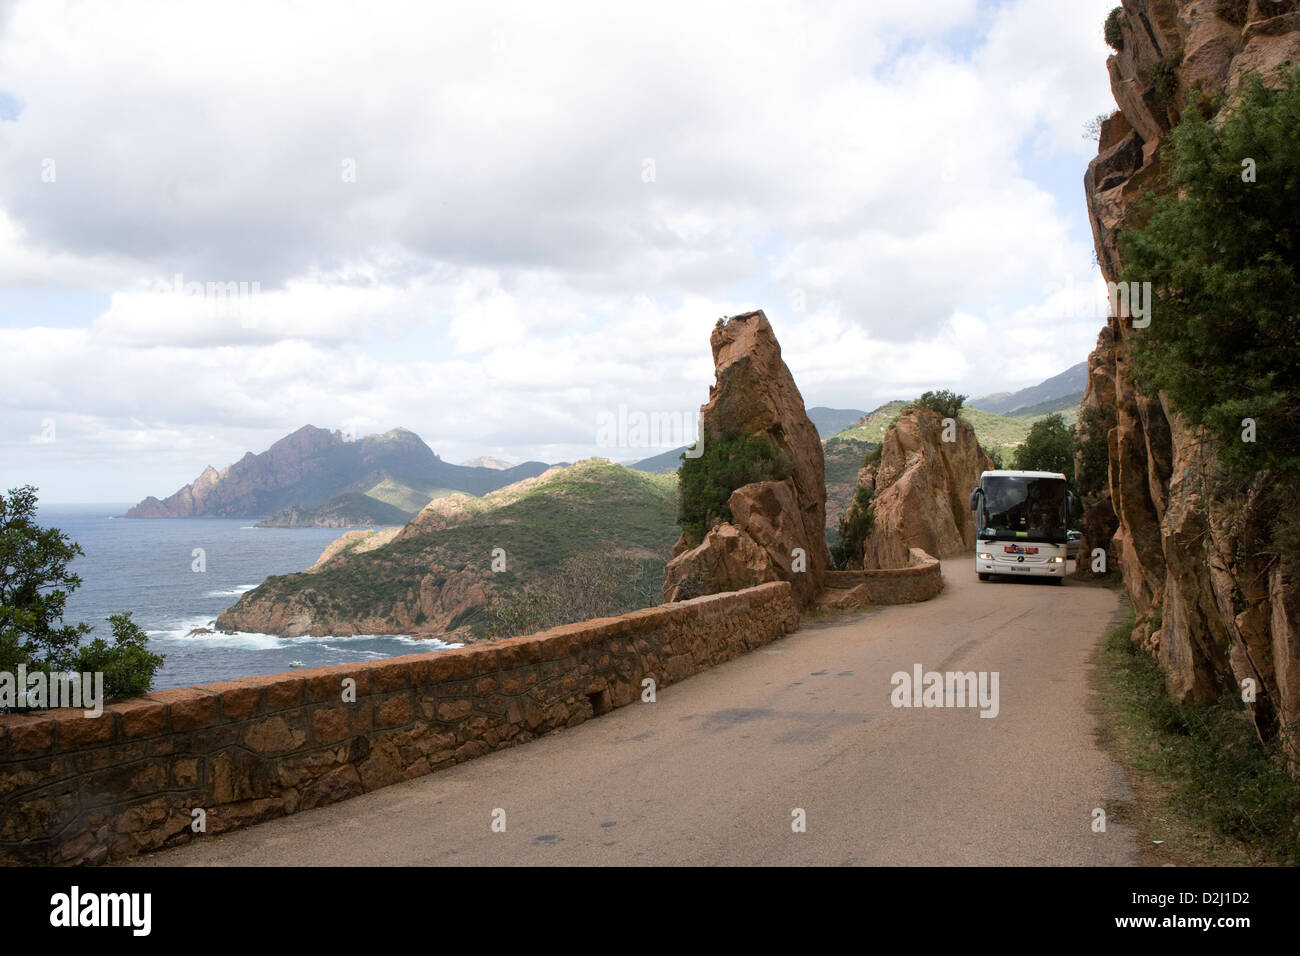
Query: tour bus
1020, 521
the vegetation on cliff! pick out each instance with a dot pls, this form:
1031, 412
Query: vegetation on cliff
943, 402
1222, 251
724, 465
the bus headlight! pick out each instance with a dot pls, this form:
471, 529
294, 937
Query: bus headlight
985, 557
1058, 560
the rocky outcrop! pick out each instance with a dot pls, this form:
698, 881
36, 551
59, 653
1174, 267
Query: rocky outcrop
1214, 605
318, 477
772, 521
922, 485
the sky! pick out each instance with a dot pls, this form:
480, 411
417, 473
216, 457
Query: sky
506, 225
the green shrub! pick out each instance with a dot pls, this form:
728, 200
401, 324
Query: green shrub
1234, 11
1113, 30
855, 527
1163, 76
946, 403
727, 463
127, 665
1222, 255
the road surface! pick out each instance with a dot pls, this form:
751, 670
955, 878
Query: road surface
713, 771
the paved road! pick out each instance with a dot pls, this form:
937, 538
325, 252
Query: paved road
711, 772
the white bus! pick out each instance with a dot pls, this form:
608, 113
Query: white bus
1020, 524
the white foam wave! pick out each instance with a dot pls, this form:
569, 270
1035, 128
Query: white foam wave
182, 632
241, 589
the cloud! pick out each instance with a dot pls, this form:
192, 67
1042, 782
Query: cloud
492, 223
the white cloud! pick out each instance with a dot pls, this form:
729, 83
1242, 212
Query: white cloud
501, 271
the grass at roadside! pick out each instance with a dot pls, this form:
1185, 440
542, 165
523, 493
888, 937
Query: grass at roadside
1203, 783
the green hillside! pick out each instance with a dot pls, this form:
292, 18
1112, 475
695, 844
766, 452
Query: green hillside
992, 430
594, 510
408, 496
872, 426
1067, 405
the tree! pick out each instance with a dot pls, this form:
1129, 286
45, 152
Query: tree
1049, 446
946, 403
1221, 249
34, 586
855, 527
1093, 447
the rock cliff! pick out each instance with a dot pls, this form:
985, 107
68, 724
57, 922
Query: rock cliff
755, 394
1212, 606
922, 486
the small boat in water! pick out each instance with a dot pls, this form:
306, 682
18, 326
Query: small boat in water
297, 664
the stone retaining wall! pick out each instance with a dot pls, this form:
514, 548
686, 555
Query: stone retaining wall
921, 580
88, 790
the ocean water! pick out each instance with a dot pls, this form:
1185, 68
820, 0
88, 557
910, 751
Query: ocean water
146, 566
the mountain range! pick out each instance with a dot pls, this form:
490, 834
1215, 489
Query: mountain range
1041, 399
318, 477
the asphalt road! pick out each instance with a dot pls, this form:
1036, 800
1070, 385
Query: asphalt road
712, 772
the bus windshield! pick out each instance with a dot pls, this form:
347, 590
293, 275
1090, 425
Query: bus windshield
1024, 507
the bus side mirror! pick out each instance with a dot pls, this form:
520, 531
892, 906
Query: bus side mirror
1073, 501
975, 500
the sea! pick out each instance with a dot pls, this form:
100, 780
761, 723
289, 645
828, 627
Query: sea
148, 567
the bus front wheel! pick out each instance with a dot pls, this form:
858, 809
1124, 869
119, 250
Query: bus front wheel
984, 577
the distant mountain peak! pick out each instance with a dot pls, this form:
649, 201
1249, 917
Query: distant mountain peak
321, 477
1067, 384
